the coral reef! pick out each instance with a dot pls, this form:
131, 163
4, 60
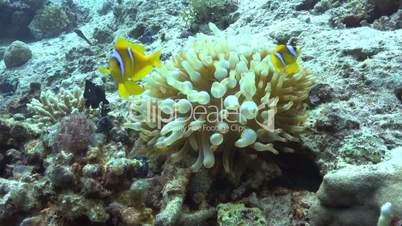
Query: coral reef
173, 195
219, 12
75, 133
359, 13
50, 108
49, 22
14, 133
72, 186
17, 54
352, 130
226, 97
232, 214
354, 195
15, 17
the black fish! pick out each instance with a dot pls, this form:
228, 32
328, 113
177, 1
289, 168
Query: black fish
81, 35
94, 95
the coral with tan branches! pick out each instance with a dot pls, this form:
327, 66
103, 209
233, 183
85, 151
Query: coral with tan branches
51, 107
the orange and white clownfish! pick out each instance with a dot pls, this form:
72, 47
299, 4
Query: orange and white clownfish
284, 58
128, 65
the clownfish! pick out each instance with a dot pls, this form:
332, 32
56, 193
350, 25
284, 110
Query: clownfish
128, 65
284, 58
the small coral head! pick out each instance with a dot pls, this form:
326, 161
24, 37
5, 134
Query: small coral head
75, 133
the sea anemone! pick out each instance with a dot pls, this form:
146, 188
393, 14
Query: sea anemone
220, 94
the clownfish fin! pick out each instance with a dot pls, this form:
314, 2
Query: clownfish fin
155, 58
142, 73
123, 43
293, 68
104, 70
137, 47
129, 88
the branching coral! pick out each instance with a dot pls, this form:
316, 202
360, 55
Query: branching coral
221, 94
51, 107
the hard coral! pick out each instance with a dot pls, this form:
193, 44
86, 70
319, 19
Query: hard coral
75, 133
222, 95
51, 107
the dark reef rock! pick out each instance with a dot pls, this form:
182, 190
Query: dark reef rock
142, 171
106, 7
29, 19
17, 54
2, 51
119, 135
13, 134
334, 123
392, 22
15, 17
220, 13
319, 94
398, 93
104, 125
7, 88
306, 4
61, 177
103, 35
358, 13
49, 22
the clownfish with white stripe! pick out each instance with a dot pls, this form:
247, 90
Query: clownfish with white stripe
128, 65
284, 58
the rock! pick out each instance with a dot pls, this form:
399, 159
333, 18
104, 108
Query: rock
354, 195
139, 190
49, 22
74, 206
306, 4
92, 170
398, 93
13, 134
13, 154
142, 171
16, 16
119, 135
61, 177
92, 188
358, 13
334, 122
20, 171
392, 22
103, 36
319, 94
7, 88
2, 51
137, 31
234, 214
17, 54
